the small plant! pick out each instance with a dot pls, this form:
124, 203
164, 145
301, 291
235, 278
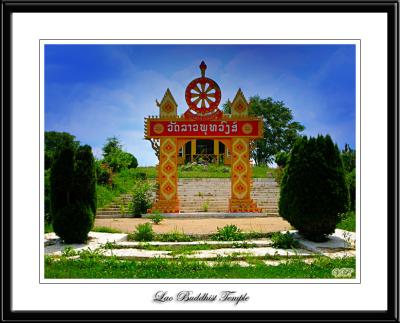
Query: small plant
283, 241
91, 254
200, 194
347, 221
229, 233
205, 206
141, 198
109, 245
174, 236
144, 232
122, 209
69, 252
156, 217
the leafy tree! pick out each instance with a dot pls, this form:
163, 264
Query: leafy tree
280, 131
313, 189
104, 175
53, 140
281, 158
111, 146
115, 157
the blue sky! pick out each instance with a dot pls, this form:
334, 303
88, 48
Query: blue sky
99, 91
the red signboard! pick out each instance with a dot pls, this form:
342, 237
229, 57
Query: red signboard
251, 128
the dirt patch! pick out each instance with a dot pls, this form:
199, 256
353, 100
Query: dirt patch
199, 226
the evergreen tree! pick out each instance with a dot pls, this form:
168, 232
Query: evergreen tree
313, 189
85, 177
73, 193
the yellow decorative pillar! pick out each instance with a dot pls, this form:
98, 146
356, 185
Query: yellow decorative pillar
240, 162
168, 201
216, 150
167, 170
193, 149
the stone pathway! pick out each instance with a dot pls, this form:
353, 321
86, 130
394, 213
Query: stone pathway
341, 244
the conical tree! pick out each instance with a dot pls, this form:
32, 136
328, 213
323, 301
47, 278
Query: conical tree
85, 177
61, 187
73, 192
313, 189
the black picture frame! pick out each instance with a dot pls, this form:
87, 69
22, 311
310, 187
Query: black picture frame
389, 7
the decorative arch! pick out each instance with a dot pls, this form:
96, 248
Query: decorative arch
203, 120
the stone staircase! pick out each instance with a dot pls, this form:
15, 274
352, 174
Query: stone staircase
205, 195
118, 208
212, 194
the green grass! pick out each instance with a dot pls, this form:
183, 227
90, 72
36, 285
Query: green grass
101, 267
176, 236
105, 195
106, 230
123, 182
219, 171
348, 223
180, 249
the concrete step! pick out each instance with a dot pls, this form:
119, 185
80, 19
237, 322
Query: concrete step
194, 193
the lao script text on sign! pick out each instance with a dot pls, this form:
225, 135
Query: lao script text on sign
157, 128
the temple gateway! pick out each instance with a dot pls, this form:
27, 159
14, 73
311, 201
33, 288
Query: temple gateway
203, 133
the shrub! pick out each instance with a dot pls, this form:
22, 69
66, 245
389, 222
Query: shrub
205, 206
284, 241
134, 162
141, 198
144, 232
281, 158
156, 217
73, 193
313, 189
103, 174
229, 233
140, 176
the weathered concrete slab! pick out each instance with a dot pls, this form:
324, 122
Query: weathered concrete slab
205, 254
132, 244
252, 252
340, 240
54, 245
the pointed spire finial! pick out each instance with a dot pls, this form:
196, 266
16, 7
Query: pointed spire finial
203, 68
